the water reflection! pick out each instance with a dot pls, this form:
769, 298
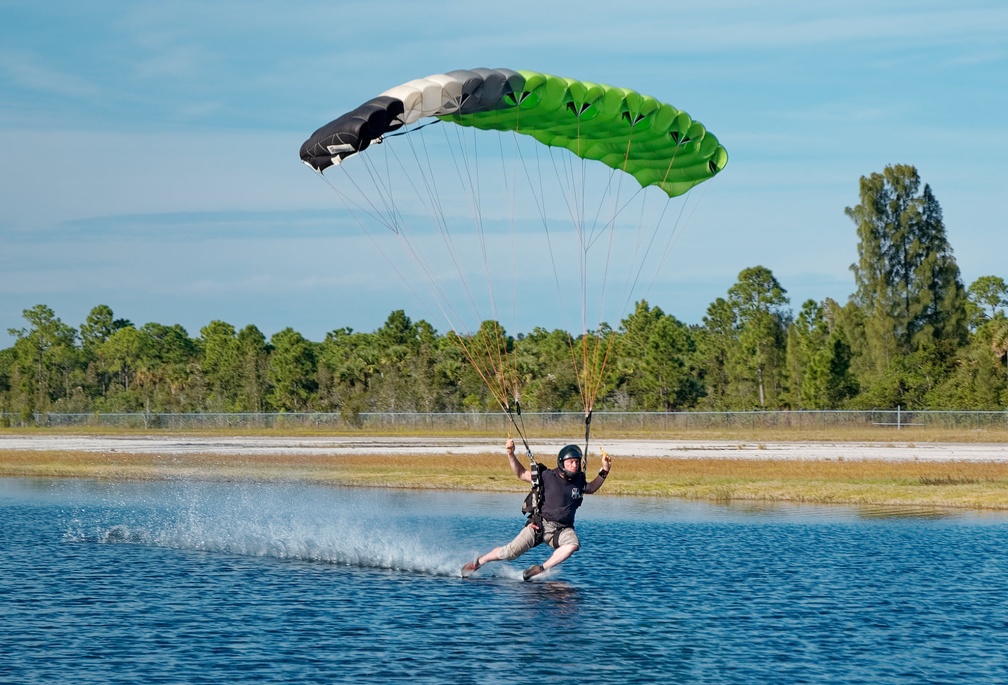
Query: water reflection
889, 511
559, 598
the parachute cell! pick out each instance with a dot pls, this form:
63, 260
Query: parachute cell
652, 141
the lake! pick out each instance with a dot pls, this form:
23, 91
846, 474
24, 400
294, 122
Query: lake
184, 581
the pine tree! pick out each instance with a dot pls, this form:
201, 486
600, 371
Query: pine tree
759, 302
908, 284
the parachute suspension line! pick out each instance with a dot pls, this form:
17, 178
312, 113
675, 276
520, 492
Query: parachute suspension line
497, 353
594, 361
485, 352
673, 234
363, 226
676, 232
540, 200
509, 360
598, 366
570, 197
585, 239
433, 205
520, 430
576, 179
510, 185
567, 182
446, 235
411, 283
673, 237
430, 181
472, 181
383, 218
603, 349
598, 227
495, 348
500, 395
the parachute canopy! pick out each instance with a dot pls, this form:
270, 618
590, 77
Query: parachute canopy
522, 187
652, 141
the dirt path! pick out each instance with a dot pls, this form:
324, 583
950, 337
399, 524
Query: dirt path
673, 449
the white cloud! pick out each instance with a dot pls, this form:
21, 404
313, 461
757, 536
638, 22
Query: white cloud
112, 192
26, 70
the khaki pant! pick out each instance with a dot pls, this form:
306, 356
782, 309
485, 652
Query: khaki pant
525, 540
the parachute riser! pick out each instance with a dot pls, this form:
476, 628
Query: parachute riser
518, 429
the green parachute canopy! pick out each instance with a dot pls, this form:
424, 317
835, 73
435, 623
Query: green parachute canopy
652, 141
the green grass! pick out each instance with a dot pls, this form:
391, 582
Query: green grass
977, 485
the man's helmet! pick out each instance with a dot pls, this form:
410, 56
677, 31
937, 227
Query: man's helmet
569, 452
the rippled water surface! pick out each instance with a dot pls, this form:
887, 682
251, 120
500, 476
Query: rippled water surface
200, 582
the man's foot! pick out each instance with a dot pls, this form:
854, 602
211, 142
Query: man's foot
532, 571
470, 568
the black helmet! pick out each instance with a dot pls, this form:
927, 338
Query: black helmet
569, 452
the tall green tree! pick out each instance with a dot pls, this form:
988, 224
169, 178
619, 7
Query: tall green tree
7, 362
818, 359
759, 304
253, 359
292, 371
656, 355
547, 376
169, 377
121, 357
46, 366
221, 365
979, 380
397, 342
716, 344
987, 295
908, 283
96, 330
429, 385
99, 326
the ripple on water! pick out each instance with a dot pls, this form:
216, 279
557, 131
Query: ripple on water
269, 583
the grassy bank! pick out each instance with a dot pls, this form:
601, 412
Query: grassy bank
920, 484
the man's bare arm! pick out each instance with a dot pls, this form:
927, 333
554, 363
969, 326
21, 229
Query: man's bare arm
519, 469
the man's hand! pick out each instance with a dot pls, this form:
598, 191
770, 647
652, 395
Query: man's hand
606, 461
520, 471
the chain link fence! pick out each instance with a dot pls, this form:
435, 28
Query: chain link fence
533, 422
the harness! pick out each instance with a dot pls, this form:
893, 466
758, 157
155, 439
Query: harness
532, 506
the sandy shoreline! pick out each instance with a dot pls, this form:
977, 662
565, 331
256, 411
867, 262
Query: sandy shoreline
342, 445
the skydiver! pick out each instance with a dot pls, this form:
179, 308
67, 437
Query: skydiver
553, 522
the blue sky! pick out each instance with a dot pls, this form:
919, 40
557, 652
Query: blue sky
150, 149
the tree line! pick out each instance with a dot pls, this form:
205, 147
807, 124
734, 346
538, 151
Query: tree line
910, 335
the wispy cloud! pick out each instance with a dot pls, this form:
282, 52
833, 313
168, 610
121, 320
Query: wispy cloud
29, 71
150, 149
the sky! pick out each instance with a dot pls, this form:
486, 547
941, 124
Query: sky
149, 151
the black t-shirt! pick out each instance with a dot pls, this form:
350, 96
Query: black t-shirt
562, 497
